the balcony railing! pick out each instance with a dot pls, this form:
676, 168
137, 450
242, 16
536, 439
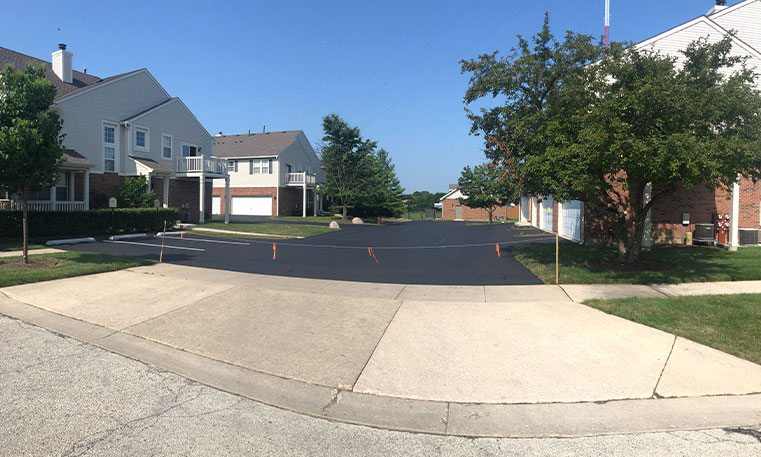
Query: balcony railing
43, 205
298, 179
198, 164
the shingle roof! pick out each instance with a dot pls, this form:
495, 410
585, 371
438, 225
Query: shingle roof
255, 145
79, 80
72, 156
152, 164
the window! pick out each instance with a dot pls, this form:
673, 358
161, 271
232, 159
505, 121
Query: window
301, 167
166, 146
109, 147
259, 166
140, 138
62, 187
232, 165
189, 150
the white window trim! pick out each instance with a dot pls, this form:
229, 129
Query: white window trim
147, 147
171, 148
183, 144
115, 144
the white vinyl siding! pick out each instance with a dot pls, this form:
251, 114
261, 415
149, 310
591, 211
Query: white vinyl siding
745, 20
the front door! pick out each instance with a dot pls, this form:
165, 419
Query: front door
458, 213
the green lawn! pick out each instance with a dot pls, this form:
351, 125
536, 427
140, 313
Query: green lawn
15, 244
294, 230
730, 323
61, 265
328, 219
663, 264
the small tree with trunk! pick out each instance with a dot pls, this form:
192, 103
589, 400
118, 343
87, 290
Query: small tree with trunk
133, 193
348, 159
487, 187
30, 136
601, 126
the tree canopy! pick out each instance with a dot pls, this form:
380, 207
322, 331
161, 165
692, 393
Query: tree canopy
30, 140
602, 126
487, 187
421, 200
357, 175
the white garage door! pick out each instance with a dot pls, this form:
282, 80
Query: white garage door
524, 209
546, 213
570, 220
251, 206
216, 205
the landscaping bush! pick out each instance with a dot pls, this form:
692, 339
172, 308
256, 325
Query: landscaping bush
87, 223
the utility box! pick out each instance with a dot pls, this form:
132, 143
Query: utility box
748, 237
704, 233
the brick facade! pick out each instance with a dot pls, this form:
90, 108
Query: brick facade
475, 214
184, 194
106, 184
291, 198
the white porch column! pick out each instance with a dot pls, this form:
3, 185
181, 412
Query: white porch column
227, 199
202, 194
304, 205
53, 196
87, 190
734, 216
71, 174
166, 191
315, 201
148, 178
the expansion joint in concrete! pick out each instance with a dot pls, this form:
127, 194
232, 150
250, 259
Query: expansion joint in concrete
663, 370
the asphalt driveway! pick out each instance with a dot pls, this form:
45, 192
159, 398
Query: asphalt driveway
421, 252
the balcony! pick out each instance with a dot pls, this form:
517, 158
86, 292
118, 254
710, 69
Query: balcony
43, 205
299, 179
211, 167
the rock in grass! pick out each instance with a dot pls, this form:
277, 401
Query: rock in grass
357, 220
333, 225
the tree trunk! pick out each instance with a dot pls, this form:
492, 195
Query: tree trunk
344, 210
491, 212
25, 226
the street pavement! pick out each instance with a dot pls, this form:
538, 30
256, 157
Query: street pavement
60, 396
420, 252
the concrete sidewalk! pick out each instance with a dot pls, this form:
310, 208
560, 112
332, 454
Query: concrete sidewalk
473, 361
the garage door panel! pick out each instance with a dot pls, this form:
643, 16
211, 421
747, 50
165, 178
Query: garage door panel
572, 217
216, 205
251, 206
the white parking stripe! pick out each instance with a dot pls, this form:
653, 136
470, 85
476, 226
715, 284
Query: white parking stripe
155, 245
206, 241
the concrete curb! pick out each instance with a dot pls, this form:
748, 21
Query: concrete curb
70, 241
127, 237
232, 232
434, 417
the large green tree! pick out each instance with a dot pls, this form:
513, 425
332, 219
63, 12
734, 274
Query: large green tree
30, 136
618, 126
348, 159
382, 194
421, 200
486, 186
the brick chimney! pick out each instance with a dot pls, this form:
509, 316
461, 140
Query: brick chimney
62, 66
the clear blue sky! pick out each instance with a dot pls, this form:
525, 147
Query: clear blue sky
389, 67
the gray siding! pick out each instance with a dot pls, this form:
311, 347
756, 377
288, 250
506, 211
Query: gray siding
83, 114
171, 119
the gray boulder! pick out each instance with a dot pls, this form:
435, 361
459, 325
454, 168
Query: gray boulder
357, 220
334, 225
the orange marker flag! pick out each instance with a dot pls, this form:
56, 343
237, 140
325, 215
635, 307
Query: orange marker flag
274, 251
498, 255
182, 234
372, 253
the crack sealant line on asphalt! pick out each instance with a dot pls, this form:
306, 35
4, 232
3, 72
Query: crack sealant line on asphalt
663, 370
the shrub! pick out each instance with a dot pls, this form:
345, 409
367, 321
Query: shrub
87, 223
132, 193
